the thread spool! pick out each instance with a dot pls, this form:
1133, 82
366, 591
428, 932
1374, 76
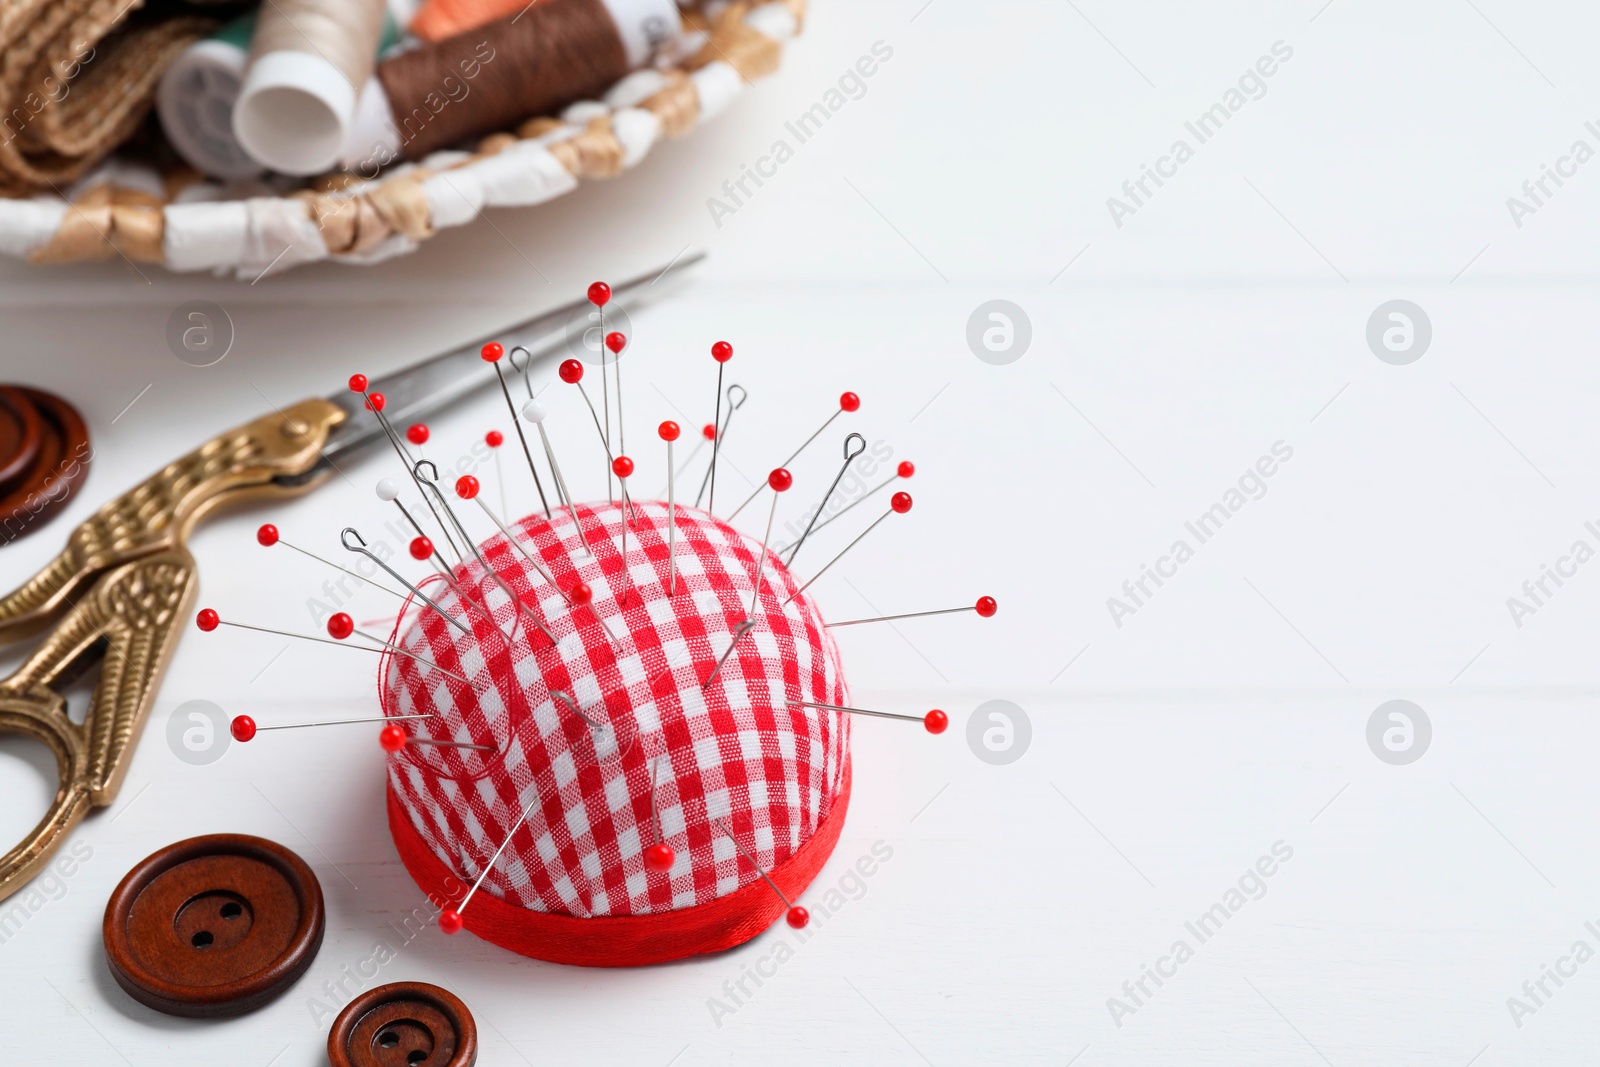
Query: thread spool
308, 61
536, 62
196, 97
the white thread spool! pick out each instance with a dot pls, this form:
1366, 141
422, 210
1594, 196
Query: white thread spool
309, 58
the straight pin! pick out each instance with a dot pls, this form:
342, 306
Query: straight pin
658, 857
392, 739
899, 504
536, 413
422, 548
935, 722
849, 458
738, 635
847, 402
244, 728
795, 915
492, 353
669, 432
718, 435
339, 624
467, 487
494, 439
905, 470
985, 607
780, 480
360, 546
450, 920
722, 351
571, 372
375, 403
536, 565
267, 536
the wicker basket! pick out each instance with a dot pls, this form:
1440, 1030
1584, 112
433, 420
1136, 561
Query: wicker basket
187, 223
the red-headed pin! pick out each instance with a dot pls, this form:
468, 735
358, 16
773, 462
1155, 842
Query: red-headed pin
669, 432
848, 402
244, 728
417, 433
985, 608
780, 480
935, 721
494, 439
492, 353
722, 351
850, 454
899, 504
267, 535
794, 915
658, 857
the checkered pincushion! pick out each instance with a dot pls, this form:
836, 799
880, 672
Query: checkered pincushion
738, 752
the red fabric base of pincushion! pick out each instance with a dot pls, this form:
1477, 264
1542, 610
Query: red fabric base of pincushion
623, 940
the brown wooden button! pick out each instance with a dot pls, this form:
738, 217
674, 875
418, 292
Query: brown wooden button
404, 1024
57, 470
213, 926
20, 432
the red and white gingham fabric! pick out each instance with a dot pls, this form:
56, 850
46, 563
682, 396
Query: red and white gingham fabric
740, 753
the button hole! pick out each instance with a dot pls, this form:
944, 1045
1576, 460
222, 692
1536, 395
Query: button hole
202, 939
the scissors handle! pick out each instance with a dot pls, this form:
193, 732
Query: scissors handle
119, 595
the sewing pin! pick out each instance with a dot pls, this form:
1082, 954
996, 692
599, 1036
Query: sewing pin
934, 722
905, 470
849, 458
422, 547
491, 353
708, 433
599, 296
847, 402
208, 620
669, 432
722, 351
450, 920
535, 412
244, 728
375, 403
659, 856
267, 536
360, 546
738, 635
342, 626
899, 504
418, 433
467, 488
392, 739
515, 543
622, 467
616, 342
494, 439
717, 435
780, 480
985, 607
795, 915
571, 372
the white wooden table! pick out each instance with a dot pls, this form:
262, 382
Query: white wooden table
1219, 718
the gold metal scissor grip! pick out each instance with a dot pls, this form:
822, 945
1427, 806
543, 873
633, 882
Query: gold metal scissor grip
122, 589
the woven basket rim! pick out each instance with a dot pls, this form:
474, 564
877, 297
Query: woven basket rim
185, 222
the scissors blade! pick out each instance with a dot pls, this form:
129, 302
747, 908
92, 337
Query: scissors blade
435, 384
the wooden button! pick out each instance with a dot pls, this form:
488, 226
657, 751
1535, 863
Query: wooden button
404, 1024
59, 464
20, 433
213, 926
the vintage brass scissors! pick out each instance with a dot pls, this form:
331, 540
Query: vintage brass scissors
119, 594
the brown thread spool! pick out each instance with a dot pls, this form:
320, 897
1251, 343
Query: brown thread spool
536, 62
